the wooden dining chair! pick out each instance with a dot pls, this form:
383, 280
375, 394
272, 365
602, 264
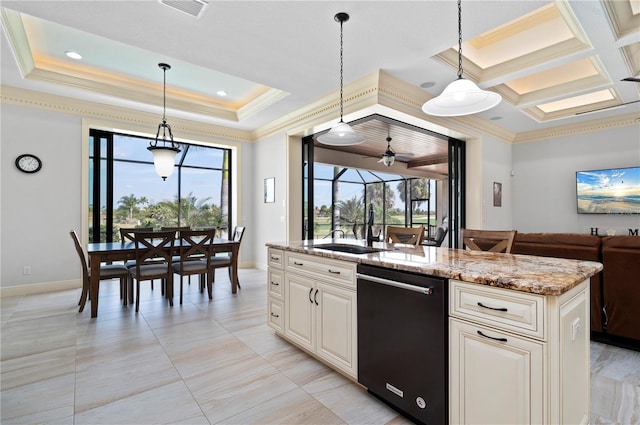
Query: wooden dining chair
441, 233
107, 272
176, 229
488, 240
153, 252
127, 234
195, 256
222, 260
406, 235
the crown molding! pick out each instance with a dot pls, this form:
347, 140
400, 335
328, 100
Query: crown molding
580, 128
18, 40
268, 98
115, 114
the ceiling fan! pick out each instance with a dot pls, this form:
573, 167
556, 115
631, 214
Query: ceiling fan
630, 79
389, 156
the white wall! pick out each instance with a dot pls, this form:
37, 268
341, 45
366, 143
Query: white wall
496, 157
39, 210
269, 219
544, 185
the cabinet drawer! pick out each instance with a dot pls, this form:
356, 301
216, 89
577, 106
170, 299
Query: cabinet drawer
275, 314
276, 283
501, 308
335, 271
275, 258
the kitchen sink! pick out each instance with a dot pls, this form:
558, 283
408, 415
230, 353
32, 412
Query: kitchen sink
350, 249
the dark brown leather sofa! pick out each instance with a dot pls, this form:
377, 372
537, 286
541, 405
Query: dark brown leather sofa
615, 292
621, 278
572, 246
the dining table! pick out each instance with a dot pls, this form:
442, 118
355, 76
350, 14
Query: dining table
101, 252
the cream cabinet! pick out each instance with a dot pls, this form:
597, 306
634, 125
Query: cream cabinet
275, 289
319, 307
517, 357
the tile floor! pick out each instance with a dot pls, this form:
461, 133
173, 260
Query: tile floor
203, 362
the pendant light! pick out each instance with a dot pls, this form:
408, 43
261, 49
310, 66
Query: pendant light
389, 157
462, 96
341, 134
164, 155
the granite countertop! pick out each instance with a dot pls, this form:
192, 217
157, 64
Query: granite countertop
526, 273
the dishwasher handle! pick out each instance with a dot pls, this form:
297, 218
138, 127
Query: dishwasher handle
414, 288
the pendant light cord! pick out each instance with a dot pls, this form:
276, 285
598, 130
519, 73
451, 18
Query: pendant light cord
459, 39
341, 73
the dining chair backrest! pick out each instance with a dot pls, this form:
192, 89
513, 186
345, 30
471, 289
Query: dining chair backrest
488, 240
238, 233
176, 229
83, 258
438, 238
196, 245
153, 247
406, 235
127, 234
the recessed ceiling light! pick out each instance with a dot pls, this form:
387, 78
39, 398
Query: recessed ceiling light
73, 55
427, 84
221, 93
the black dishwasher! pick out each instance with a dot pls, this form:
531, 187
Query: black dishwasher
402, 341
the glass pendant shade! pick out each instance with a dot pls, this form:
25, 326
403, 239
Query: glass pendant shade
164, 159
341, 134
461, 97
388, 160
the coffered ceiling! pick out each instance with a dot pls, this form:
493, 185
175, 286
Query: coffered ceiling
552, 61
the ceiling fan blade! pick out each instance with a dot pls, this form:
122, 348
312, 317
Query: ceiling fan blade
632, 79
607, 107
404, 156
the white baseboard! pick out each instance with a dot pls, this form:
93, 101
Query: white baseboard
39, 288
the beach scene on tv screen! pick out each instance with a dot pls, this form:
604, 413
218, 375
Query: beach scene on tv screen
613, 191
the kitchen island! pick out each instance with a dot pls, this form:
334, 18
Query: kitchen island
518, 326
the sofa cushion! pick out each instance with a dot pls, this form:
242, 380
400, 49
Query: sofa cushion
621, 278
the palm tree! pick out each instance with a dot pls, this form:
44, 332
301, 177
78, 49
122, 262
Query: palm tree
352, 212
130, 204
419, 189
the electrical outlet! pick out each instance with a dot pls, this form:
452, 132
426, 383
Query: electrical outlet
26, 270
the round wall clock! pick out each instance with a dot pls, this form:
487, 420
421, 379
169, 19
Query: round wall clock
28, 163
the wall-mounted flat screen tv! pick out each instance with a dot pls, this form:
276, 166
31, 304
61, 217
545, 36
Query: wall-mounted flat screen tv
611, 191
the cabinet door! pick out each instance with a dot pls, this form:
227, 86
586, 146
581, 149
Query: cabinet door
495, 377
336, 326
299, 310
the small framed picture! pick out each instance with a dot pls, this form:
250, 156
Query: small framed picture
269, 189
497, 194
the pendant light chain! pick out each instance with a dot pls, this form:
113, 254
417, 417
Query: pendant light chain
459, 39
341, 73
164, 95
